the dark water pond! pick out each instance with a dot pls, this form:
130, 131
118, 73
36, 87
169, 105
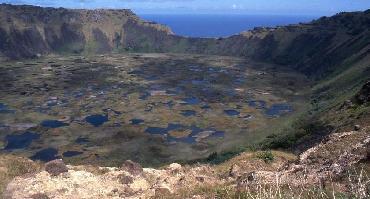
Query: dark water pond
206, 107
190, 101
156, 130
278, 109
232, 112
82, 140
191, 138
20, 141
136, 72
46, 155
96, 120
218, 134
136, 121
4, 109
163, 131
260, 104
71, 153
53, 124
273, 111
188, 113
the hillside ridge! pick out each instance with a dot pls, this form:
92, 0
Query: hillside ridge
316, 49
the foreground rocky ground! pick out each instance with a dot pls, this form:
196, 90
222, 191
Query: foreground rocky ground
324, 165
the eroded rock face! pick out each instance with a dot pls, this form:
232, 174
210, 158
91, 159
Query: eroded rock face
363, 96
30, 31
162, 191
125, 179
132, 167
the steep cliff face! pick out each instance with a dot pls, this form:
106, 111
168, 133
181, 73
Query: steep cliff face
316, 49
26, 31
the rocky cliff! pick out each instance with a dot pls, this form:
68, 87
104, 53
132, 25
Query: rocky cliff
28, 31
315, 48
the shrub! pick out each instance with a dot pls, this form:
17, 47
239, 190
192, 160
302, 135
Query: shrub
266, 156
303, 130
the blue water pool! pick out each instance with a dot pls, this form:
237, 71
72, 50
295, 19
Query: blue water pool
136, 121
232, 112
190, 101
20, 141
260, 104
46, 155
97, 120
53, 124
190, 139
188, 113
82, 140
156, 130
4, 109
278, 109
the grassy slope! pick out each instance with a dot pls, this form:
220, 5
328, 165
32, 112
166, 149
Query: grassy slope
322, 116
11, 167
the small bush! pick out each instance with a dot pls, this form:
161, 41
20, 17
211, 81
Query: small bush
218, 158
302, 131
266, 156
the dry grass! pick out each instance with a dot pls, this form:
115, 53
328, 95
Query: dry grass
249, 161
11, 167
355, 185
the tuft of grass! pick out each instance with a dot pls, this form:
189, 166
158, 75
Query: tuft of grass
266, 156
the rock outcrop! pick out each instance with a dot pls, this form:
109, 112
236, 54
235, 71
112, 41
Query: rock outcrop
132, 167
326, 162
363, 96
56, 167
111, 182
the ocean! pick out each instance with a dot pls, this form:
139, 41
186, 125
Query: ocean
207, 25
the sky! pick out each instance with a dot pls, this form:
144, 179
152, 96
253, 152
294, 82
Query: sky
273, 7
